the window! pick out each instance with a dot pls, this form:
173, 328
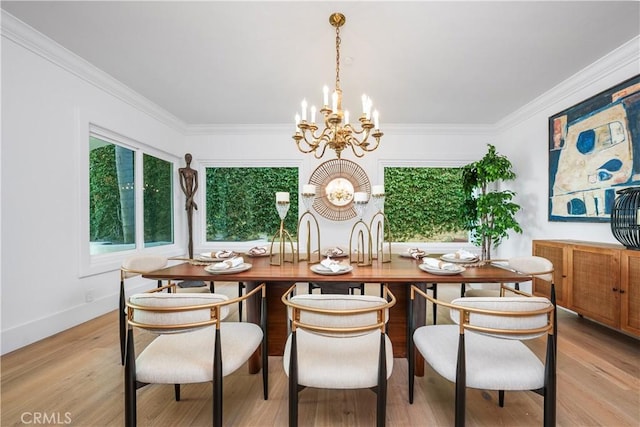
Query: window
113, 191
241, 202
158, 203
423, 204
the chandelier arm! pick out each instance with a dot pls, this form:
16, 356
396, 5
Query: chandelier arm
355, 153
319, 155
311, 149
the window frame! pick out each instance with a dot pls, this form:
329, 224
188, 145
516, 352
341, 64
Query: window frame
432, 247
101, 263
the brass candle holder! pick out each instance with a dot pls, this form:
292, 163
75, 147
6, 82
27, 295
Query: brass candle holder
362, 233
383, 229
283, 236
308, 195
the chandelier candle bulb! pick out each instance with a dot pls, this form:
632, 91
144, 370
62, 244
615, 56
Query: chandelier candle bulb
376, 121
282, 197
346, 117
304, 109
309, 189
312, 118
334, 102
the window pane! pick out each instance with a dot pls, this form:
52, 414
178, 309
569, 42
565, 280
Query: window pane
158, 201
111, 197
423, 204
241, 202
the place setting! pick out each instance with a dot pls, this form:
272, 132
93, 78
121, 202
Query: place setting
258, 252
460, 256
331, 267
439, 267
229, 266
415, 253
335, 252
216, 256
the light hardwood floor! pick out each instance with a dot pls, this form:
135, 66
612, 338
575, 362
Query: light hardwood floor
75, 378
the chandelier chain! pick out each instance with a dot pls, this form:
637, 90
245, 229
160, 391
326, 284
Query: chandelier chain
338, 40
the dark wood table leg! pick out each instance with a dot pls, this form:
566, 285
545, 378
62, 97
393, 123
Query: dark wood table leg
276, 320
419, 318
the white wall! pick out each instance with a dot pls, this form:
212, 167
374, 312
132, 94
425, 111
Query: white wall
46, 104
523, 137
44, 108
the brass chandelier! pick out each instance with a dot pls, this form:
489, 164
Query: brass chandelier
338, 133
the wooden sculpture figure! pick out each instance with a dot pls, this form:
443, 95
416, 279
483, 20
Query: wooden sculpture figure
189, 184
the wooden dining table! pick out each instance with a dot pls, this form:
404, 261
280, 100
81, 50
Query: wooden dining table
398, 274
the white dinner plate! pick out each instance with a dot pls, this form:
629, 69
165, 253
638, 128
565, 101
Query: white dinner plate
452, 258
237, 269
321, 269
441, 272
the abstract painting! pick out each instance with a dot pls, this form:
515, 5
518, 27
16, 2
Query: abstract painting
594, 151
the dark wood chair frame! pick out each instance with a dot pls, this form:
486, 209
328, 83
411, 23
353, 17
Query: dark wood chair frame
548, 391
131, 384
380, 389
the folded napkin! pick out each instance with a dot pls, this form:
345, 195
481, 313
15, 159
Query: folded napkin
334, 252
223, 254
440, 265
332, 265
462, 255
257, 250
416, 253
230, 263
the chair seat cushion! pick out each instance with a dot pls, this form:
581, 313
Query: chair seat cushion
491, 363
188, 357
338, 362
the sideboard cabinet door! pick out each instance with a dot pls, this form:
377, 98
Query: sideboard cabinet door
595, 283
555, 252
630, 291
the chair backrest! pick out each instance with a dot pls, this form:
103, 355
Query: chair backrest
339, 315
136, 265
173, 312
536, 266
504, 317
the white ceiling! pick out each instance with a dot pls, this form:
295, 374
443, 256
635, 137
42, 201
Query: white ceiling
214, 62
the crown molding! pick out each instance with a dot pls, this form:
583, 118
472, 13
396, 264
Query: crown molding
22, 34
623, 56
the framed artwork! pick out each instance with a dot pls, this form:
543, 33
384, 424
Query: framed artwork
338, 180
594, 151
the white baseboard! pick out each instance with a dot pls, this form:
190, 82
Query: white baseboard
36, 330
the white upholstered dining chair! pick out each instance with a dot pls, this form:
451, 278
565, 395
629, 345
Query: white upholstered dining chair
484, 348
135, 266
534, 266
338, 342
193, 344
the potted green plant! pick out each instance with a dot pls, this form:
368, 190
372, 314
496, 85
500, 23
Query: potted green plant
488, 212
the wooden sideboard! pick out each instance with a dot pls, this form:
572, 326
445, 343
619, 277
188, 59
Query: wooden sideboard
600, 281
